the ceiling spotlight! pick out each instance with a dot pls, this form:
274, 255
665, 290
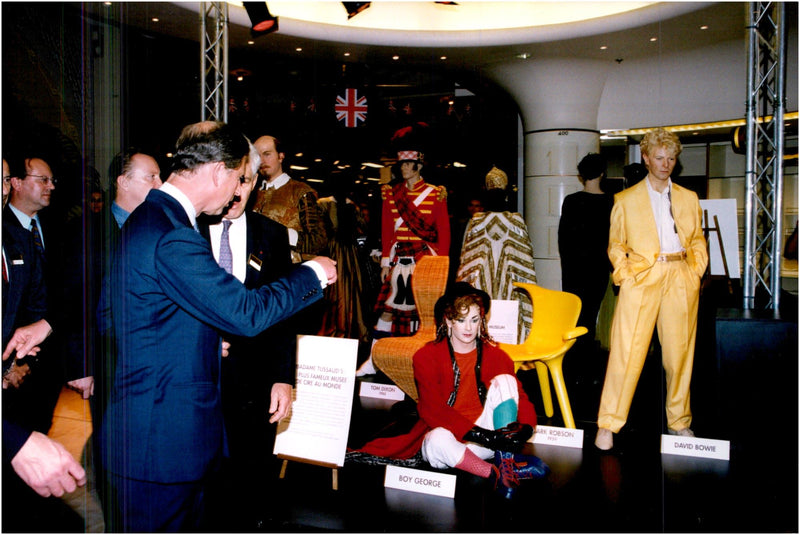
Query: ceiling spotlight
260, 18
354, 8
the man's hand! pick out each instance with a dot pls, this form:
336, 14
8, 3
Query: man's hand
26, 339
16, 374
280, 402
47, 467
385, 273
329, 266
84, 385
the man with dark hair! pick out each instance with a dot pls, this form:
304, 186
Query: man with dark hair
168, 302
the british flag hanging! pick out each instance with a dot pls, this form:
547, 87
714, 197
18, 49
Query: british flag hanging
351, 108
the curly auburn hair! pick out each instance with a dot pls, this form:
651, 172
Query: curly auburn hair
458, 308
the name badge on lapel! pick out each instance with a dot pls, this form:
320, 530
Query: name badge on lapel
254, 262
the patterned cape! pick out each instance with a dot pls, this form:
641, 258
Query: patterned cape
497, 251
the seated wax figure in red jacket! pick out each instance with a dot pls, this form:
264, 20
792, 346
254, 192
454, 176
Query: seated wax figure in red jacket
472, 407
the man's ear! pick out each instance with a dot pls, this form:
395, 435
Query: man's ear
216, 173
122, 182
16, 183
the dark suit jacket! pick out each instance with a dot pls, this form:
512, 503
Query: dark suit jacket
255, 364
38, 396
24, 302
169, 300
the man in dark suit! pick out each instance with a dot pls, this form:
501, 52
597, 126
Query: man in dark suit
31, 190
34, 466
169, 301
256, 392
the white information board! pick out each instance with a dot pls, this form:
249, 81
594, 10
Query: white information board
502, 323
319, 422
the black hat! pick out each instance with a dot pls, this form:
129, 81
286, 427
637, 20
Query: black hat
459, 289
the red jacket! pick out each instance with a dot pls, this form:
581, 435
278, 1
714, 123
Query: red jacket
433, 373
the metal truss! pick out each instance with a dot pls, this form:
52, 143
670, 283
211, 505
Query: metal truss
766, 86
214, 61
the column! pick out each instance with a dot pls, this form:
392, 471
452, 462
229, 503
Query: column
558, 100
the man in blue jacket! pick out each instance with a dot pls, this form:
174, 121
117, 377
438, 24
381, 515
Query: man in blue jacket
169, 303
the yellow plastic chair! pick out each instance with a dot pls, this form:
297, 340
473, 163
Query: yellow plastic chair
553, 332
394, 355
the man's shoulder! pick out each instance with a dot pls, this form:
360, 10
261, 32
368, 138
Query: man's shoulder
301, 187
441, 192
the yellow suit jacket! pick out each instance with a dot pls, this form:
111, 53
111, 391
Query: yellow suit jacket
633, 244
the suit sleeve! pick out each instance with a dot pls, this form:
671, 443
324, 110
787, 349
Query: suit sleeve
189, 275
697, 251
14, 437
618, 243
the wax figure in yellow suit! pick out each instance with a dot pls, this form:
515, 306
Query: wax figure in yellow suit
658, 251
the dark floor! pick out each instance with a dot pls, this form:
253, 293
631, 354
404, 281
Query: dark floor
633, 488
744, 389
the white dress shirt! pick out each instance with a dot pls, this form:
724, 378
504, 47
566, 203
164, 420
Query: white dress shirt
665, 224
237, 235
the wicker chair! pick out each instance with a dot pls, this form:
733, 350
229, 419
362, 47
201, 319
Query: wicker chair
393, 356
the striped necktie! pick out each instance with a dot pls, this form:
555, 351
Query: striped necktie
37, 237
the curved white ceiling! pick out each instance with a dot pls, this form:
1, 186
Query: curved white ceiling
428, 24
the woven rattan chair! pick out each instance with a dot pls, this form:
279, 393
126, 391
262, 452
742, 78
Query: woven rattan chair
393, 356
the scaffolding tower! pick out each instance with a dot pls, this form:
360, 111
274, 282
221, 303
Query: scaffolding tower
766, 87
214, 61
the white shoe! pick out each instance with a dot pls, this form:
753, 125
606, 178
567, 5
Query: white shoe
604, 440
368, 368
685, 432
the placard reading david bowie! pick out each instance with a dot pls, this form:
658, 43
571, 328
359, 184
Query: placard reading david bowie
317, 426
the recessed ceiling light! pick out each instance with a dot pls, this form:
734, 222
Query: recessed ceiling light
395, 58
443, 58
347, 54
107, 3
154, 19
298, 49
604, 47
251, 42
652, 39
240, 78
524, 55
704, 27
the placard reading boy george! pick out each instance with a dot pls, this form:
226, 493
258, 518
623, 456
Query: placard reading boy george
319, 422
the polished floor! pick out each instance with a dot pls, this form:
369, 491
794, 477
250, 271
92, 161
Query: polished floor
632, 488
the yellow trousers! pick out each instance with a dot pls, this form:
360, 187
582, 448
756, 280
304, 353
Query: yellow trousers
665, 296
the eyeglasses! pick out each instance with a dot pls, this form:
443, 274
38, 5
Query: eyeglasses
44, 179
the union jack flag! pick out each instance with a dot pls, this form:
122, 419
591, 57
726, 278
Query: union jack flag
351, 108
